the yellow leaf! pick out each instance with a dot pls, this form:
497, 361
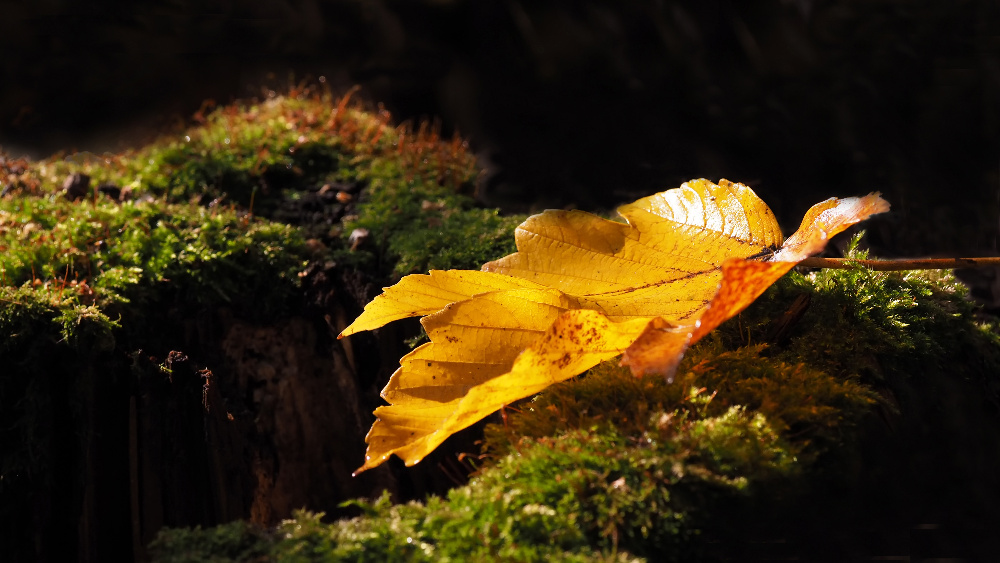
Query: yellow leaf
445, 386
678, 238
472, 342
419, 294
579, 291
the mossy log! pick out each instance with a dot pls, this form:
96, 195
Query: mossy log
170, 371
167, 320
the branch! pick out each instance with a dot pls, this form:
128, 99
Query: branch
904, 264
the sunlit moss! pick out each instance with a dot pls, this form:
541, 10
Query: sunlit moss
106, 252
580, 496
233, 542
189, 225
417, 206
609, 465
177, 225
603, 467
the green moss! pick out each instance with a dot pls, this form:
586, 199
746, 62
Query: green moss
85, 283
581, 496
606, 466
416, 208
240, 152
193, 223
173, 235
756, 430
446, 234
106, 253
229, 543
813, 406
423, 225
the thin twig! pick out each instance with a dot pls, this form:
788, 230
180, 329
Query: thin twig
904, 264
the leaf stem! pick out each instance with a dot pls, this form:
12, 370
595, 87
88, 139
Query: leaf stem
903, 264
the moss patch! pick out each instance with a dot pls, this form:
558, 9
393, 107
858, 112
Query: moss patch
583, 496
104, 256
105, 253
263, 157
755, 445
772, 412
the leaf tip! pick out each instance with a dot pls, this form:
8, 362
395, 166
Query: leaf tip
369, 464
658, 349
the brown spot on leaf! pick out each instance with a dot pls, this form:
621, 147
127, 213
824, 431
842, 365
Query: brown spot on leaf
564, 360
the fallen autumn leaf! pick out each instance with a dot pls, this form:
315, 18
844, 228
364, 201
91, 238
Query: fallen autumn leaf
582, 290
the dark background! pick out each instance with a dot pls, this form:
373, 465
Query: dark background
587, 104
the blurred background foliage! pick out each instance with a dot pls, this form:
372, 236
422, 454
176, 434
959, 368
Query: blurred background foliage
584, 104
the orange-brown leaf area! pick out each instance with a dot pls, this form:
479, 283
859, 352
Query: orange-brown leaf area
582, 290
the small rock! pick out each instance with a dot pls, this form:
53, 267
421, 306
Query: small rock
76, 186
315, 246
327, 194
350, 187
110, 190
